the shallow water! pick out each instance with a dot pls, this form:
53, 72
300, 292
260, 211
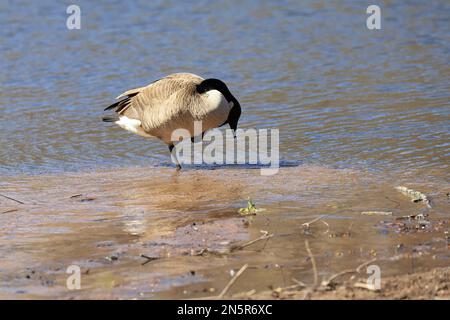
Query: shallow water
104, 224
359, 112
378, 99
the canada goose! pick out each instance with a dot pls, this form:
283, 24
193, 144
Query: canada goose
175, 102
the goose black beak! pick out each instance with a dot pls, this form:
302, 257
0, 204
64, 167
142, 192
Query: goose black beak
233, 117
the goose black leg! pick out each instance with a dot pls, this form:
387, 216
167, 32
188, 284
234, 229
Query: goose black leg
174, 157
193, 138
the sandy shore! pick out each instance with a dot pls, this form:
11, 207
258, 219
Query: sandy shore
152, 233
434, 284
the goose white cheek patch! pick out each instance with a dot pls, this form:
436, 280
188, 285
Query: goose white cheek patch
216, 101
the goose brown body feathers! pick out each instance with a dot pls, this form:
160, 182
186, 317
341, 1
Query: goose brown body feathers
175, 102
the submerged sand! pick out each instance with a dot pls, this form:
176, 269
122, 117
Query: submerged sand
154, 233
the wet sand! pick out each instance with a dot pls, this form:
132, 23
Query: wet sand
419, 285
188, 224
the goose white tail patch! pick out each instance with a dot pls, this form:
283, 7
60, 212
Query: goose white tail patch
132, 125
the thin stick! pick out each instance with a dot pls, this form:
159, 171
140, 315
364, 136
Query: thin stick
313, 262
357, 270
15, 200
328, 226
299, 283
232, 281
366, 286
376, 213
8, 211
200, 253
307, 224
265, 243
330, 279
263, 237
148, 259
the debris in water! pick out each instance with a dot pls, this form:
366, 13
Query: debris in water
82, 197
265, 236
232, 281
148, 258
420, 216
12, 199
415, 196
113, 257
366, 286
9, 211
377, 213
306, 225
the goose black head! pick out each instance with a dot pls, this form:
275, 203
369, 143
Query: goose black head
216, 84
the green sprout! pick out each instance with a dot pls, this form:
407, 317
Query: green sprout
250, 210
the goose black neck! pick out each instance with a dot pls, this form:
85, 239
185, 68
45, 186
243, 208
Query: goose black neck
215, 84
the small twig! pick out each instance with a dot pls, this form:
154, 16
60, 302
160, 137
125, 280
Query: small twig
8, 211
362, 265
299, 283
328, 226
376, 213
366, 286
9, 198
148, 258
327, 282
308, 224
265, 236
232, 281
313, 262
200, 252
296, 286
265, 243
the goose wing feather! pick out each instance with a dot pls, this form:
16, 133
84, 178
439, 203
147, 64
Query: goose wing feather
162, 100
